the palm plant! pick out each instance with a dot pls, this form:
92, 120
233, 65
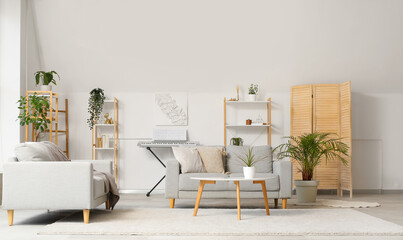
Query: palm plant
309, 149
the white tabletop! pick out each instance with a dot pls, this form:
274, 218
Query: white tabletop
229, 178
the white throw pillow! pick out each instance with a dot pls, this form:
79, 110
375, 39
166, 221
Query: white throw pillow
189, 160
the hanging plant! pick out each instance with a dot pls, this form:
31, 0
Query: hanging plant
95, 105
34, 110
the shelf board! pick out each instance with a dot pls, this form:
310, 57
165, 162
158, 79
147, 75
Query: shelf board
109, 101
102, 125
240, 125
104, 148
231, 102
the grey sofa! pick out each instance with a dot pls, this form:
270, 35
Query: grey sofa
54, 185
279, 185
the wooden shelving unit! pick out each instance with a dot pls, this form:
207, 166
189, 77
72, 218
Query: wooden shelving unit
97, 129
53, 116
267, 125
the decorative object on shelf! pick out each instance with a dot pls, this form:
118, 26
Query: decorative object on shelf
47, 78
259, 120
308, 151
95, 105
107, 119
34, 111
253, 90
249, 160
171, 109
248, 122
236, 141
237, 95
99, 142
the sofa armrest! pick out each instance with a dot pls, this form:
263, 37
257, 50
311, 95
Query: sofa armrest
284, 170
172, 179
100, 165
48, 185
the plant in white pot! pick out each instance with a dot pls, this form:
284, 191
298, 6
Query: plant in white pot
253, 89
249, 160
47, 78
308, 150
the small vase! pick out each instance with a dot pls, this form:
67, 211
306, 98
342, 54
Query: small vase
46, 88
249, 172
252, 97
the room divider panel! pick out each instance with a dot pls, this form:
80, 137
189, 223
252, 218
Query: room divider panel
324, 108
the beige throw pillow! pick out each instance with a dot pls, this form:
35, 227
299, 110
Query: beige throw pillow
212, 158
188, 159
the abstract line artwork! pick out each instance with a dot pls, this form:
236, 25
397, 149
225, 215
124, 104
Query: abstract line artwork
171, 109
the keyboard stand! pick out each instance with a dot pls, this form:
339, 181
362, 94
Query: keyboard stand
149, 149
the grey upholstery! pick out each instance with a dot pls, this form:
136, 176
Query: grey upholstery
262, 153
178, 185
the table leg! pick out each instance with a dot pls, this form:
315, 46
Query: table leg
266, 202
238, 199
199, 194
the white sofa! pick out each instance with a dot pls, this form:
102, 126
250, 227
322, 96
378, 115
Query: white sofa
54, 185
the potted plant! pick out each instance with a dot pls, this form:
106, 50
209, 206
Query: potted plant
249, 160
253, 89
47, 78
34, 110
95, 105
236, 141
308, 151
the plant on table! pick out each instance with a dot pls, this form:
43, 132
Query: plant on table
34, 111
249, 160
95, 105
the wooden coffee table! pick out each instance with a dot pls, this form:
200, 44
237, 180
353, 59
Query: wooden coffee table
212, 180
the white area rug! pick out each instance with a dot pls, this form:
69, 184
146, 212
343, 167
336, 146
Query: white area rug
336, 203
223, 222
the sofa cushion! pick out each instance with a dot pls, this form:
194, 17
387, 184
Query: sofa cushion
235, 165
212, 158
189, 159
187, 184
272, 184
99, 187
32, 151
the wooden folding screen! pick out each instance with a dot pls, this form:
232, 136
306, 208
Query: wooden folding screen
324, 108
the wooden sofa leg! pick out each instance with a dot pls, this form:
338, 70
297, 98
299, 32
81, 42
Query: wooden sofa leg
284, 203
172, 202
10, 217
86, 213
276, 202
107, 204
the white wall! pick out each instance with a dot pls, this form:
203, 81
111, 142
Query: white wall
12, 72
135, 48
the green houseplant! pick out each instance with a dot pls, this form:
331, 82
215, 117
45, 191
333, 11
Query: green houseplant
236, 141
308, 150
253, 90
34, 111
47, 78
95, 105
249, 160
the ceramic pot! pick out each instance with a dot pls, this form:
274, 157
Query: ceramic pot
252, 97
46, 87
249, 172
306, 190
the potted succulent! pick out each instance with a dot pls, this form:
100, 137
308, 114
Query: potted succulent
249, 160
34, 111
308, 151
95, 105
253, 89
47, 78
236, 141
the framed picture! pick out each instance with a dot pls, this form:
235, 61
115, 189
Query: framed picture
171, 109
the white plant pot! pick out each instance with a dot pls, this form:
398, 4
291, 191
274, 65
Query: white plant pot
252, 97
46, 87
249, 172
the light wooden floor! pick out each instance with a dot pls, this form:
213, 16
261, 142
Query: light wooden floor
28, 223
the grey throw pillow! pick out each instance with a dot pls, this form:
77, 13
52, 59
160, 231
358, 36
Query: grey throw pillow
235, 165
